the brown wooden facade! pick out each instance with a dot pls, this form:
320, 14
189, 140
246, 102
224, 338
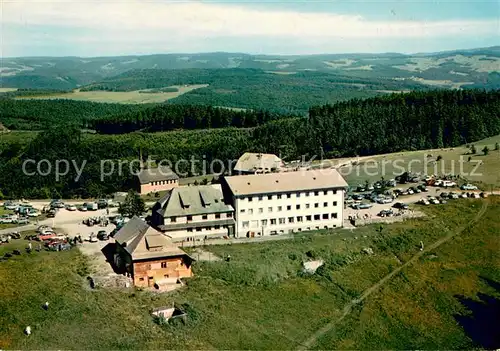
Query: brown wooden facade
147, 273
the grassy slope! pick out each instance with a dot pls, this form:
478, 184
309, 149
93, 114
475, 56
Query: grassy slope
129, 97
486, 175
259, 300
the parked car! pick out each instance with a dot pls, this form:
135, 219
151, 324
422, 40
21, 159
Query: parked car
10, 206
33, 213
362, 206
443, 195
385, 213
468, 187
463, 195
51, 213
423, 201
423, 188
71, 207
483, 195
102, 203
22, 220
6, 219
15, 235
448, 184
102, 235
83, 208
93, 238
92, 206
434, 201
475, 195
400, 205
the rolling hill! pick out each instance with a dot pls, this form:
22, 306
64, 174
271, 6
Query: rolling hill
444, 69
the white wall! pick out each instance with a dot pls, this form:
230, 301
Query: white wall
261, 208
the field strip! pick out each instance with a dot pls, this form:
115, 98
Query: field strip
348, 308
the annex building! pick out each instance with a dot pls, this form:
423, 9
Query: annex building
152, 180
149, 256
194, 213
278, 203
254, 163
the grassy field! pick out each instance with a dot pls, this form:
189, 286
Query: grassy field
129, 97
261, 300
482, 170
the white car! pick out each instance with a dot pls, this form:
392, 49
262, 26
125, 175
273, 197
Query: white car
434, 201
463, 195
71, 207
424, 202
468, 187
448, 184
33, 213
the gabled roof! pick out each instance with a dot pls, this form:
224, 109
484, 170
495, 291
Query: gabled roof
149, 175
255, 162
144, 242
192, 200
285, 182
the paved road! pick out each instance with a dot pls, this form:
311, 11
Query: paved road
348, 308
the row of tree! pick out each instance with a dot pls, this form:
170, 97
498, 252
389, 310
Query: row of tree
359, 127
169, 117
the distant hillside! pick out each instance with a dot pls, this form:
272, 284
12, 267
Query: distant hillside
445, 69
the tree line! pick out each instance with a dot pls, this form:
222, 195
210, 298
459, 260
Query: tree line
170, 117
417, 120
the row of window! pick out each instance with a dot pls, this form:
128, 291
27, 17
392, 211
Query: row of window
298, 219
203, 217
199, 229
297, 195
164, 182
288, 208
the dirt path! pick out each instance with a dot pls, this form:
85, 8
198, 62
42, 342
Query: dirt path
348, 308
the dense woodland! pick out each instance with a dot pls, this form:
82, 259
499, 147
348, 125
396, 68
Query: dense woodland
169, 117
34, 114
393, 123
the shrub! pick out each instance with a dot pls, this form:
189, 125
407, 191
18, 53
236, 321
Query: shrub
292, 256
439, 158
486, 150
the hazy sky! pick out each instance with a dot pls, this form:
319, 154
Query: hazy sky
127, 27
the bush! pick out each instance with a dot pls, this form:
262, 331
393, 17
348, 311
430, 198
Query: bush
292, 256
439, 158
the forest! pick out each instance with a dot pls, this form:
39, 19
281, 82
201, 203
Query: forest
392, 123
169, 117
27, 114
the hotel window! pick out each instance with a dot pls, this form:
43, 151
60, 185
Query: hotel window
261, 210
250, 211
334, 215
164, 265
288, 196
297, 207
217, 216
291, 219
216, 226
335, 203
249, 199
190, 230
279, 196
299, 219
189, 218
263, 222
307, 205
198, 229
173, 219
269, 209
245, 224
288, 208
307, 194
204, 217
325, 204
308, 218
316, 205
297, 195
242, 210
317, 217
269, 197
325, 192
282, 221
334, 192
260, 198
280, 208
316, 193
325, 215
273, 221
141, 279
229, 215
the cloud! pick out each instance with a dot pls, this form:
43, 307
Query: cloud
115, 27
197, 19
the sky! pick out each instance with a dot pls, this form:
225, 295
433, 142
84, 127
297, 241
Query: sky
92, 28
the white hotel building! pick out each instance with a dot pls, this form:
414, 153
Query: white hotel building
278, 203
